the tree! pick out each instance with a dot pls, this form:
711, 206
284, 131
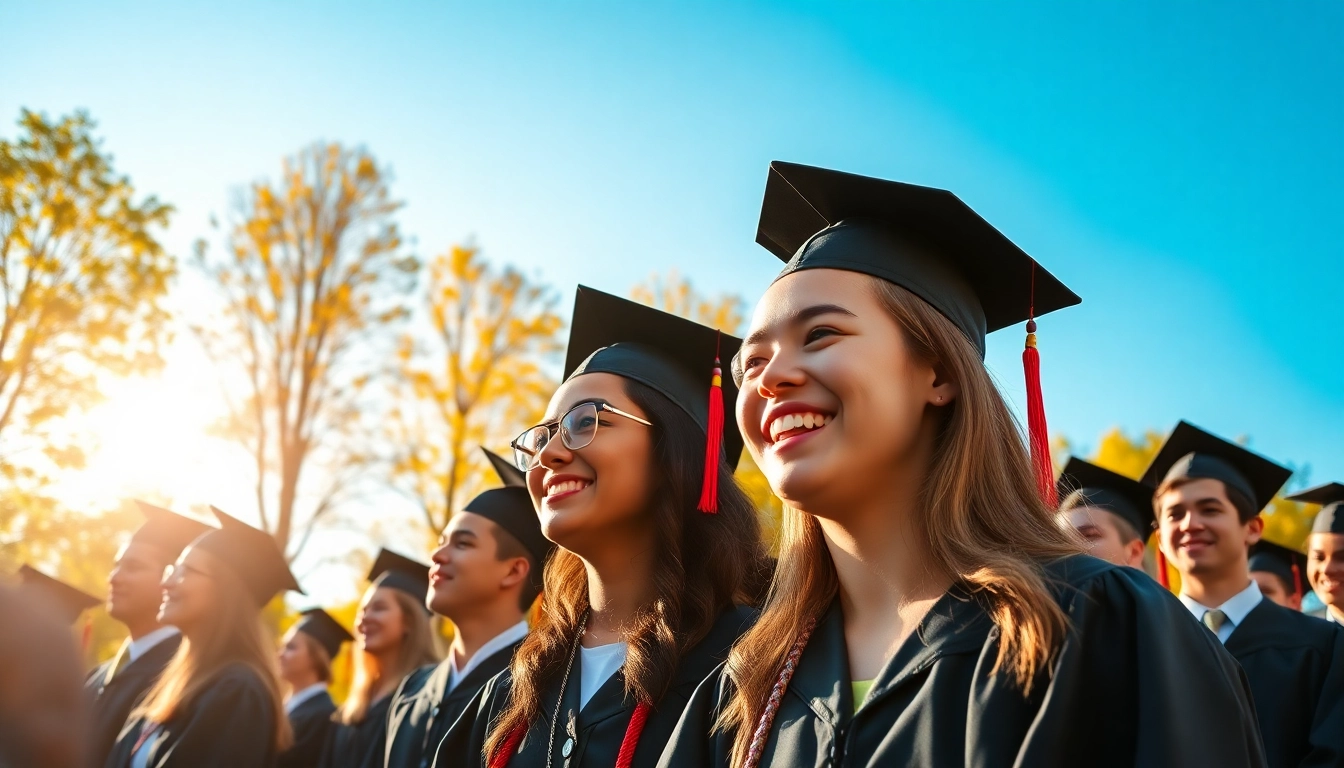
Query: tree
82, 277
313, 279
477, 379
675, 294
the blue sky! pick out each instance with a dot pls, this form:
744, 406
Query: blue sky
1178, 165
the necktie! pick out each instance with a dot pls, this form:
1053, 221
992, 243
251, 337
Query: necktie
1214, 620
119, 663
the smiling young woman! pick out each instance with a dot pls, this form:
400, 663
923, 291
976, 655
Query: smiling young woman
659, 549
394, 637
927, 610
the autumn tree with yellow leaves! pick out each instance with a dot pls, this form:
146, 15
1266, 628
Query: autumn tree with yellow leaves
313, 280
476, 378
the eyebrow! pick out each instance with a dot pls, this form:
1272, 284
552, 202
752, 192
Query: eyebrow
801, 316
457, 534
598, 401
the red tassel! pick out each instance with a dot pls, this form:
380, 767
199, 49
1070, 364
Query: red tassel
625, 758
1297, 582
501, 758
1162, 577
709, 489
1037, 434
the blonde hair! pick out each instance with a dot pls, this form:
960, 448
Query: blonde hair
418, 648
984, 520
318, 654
232, 633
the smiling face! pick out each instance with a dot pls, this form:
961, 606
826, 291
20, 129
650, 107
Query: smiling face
1201, 532
297, 665
1325, 569
831, 391
468, 573
380, 625
190, 590
597, 496
134, 586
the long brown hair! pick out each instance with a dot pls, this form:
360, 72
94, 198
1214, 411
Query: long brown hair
232, 633
984, 518
418, 648
705, 564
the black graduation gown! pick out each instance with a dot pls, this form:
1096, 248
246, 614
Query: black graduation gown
423, 708
1295, 665
601, 725
1137, 682
110, 703
359, 745
310, 721
230, 724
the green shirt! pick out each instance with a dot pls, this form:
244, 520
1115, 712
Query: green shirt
861, 688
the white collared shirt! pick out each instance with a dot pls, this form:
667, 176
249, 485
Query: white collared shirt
140, 647
488, 648
1236, 609
299, 697
596, 666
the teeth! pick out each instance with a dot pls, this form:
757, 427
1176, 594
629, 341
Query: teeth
794, 421
567, 486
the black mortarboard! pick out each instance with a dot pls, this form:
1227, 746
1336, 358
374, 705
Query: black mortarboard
399, 572
675, 356
319, 625
925, 240
1287, 564
1085, 484
68, 601
1331, 498
511, 508
252, 554
166, 530
1192, 453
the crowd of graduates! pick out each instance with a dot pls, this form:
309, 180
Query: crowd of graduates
938, 598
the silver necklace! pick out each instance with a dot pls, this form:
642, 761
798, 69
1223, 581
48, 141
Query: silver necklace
564, 683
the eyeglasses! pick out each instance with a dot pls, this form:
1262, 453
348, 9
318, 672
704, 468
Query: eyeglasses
577, 429
174, 571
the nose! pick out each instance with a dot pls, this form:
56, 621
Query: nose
780, 372
554, 454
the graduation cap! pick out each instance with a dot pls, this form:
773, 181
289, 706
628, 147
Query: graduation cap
928, 242
400, 572
68, 601
1192, 453
511, 508
319, 625
1285, 563
675, 356
251, 553
1331, 496
1086, 484
166, 530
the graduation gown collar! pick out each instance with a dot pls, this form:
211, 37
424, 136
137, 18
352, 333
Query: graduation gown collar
955, 624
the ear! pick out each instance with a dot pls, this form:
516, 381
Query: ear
942, 389
1134, 553
517, 573
1255, 528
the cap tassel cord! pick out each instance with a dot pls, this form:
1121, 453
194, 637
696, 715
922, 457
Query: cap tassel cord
502, 757
709, 489
1163, 577
624, 758
1037, 434
1297, 582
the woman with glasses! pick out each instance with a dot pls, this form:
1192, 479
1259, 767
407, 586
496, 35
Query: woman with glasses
217, 704
631, 476
926, 609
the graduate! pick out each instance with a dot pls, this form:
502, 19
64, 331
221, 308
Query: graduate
43, 713
631, 475
394, 638
1325, 548
1112, 513
134, 597
305, 657
1278, 572
486, 576
927, 609
1209, 496
217, 704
